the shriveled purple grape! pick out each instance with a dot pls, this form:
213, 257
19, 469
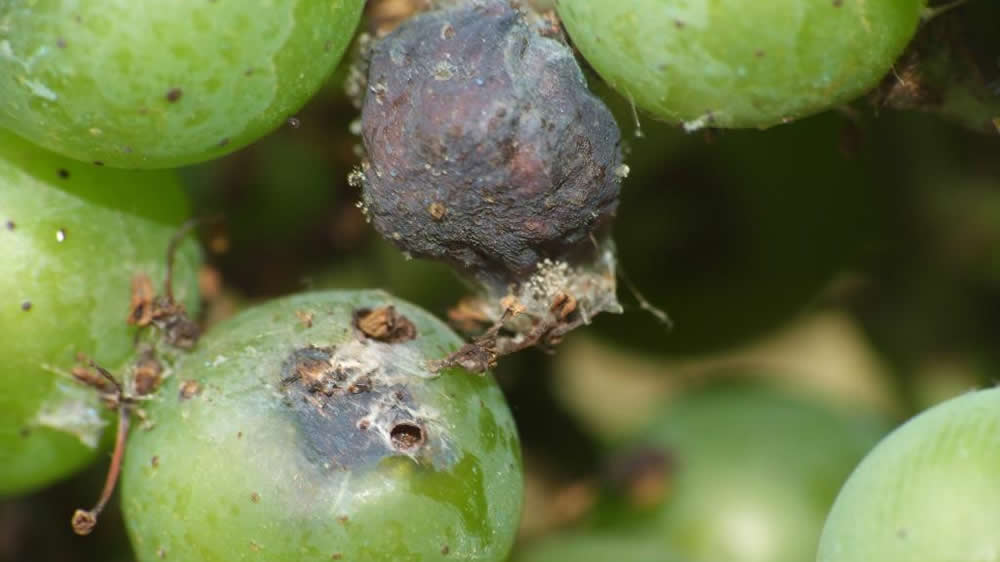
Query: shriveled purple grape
485, 147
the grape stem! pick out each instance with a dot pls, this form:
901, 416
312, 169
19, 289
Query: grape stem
84, 521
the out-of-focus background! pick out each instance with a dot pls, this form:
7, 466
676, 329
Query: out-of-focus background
826, 279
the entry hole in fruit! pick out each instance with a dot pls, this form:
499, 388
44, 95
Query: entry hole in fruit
407, 436
63, 173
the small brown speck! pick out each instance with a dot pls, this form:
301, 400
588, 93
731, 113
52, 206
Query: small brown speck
239, 435
447, 31
25, 432
161, 553
437, 210
63, 173
255, 497
61, 235
98, 163
61, 43
254, 546
294, 122
678, 24
306, 318
155, 461
223, 142
758, 53
327, 46
146, 378
445, 550
10, 225
363, 425
336, 556
838, 3
189, 389
343, 520
174, 94
26, 306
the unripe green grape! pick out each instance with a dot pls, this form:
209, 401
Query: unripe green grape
750, 474
292, 433
595, 547
927, 493
740, 63
137, 84
72, 237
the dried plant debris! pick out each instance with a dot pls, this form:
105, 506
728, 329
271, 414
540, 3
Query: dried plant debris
486, 150
385, 324
163, 311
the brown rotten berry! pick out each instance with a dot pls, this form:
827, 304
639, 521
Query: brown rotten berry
487, 151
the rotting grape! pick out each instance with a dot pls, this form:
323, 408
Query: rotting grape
927, 493
486, 150
127, 84
740, 63
311, 427
72, 240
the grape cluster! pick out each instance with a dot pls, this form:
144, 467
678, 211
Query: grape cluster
353, 425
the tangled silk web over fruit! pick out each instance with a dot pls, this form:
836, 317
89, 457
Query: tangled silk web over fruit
485, 147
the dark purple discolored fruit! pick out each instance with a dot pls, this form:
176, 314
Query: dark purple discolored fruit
485, 148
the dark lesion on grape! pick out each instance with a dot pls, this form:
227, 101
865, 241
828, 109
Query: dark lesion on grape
351, 408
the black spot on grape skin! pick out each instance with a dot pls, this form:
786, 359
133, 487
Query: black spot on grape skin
496, 121
174, 95
63, 173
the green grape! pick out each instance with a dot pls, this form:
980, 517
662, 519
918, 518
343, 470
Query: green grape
129, 83
295, 431
752, 473
927, 493
740, 63
72, 237
595, 547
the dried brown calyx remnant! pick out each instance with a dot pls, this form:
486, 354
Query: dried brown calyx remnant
385, 324
162, 311
486, 150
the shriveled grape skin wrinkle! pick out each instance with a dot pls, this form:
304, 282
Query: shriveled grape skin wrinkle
486, 150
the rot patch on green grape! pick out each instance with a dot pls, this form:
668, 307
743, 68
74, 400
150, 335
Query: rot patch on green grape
487, 151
